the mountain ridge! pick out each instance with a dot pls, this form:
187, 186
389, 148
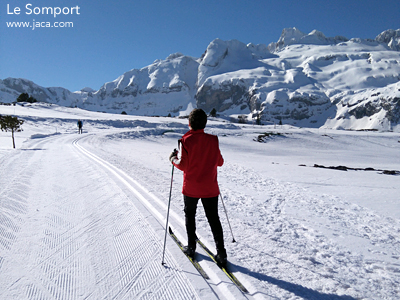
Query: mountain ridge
303, 79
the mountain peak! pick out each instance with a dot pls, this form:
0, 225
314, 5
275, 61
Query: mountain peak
174, 55
87, 90
291, 36
229, 56
390, 37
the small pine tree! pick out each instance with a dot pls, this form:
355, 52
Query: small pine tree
31, 100
10, 123
24, 97
213, 113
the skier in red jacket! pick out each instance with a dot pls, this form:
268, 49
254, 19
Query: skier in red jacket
199, 158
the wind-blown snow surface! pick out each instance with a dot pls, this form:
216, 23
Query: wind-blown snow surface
83, 216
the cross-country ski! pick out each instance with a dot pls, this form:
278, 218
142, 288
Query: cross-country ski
224, 268
192, 260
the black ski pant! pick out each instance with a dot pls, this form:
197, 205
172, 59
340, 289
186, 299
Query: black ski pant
211, 210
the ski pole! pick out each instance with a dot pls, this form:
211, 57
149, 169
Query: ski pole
166, 225
233, 238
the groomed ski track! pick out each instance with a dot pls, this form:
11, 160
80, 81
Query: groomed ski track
100, 232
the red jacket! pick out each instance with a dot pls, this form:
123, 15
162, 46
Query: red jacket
200, 157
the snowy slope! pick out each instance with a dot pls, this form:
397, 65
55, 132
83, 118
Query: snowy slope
166, 86
11, 88
83, 216
310, 80
303, 79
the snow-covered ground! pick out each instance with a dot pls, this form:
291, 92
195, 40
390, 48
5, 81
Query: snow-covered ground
83, 216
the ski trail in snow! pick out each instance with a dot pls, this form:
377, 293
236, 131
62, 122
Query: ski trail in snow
70, 229
154, 204
291, 242
128, 181
70, 233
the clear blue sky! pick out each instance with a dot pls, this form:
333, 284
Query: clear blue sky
110, 37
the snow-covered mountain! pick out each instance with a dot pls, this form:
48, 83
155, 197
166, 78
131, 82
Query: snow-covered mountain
303, 79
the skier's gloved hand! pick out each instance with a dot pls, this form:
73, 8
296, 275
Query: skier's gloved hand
173, 156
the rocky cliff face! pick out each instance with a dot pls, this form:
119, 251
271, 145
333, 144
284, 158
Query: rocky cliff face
391, 38
303, 79
306, 80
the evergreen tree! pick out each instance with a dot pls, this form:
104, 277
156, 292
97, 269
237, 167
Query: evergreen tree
213, 112
24, 97
10, 123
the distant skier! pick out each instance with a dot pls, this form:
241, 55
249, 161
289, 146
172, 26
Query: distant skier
199, 158
80, 124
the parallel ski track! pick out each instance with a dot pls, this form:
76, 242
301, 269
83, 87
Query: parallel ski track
155, 205
54, 247
137, 272
145, 196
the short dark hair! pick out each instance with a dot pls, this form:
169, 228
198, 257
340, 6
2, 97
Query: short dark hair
197, 119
